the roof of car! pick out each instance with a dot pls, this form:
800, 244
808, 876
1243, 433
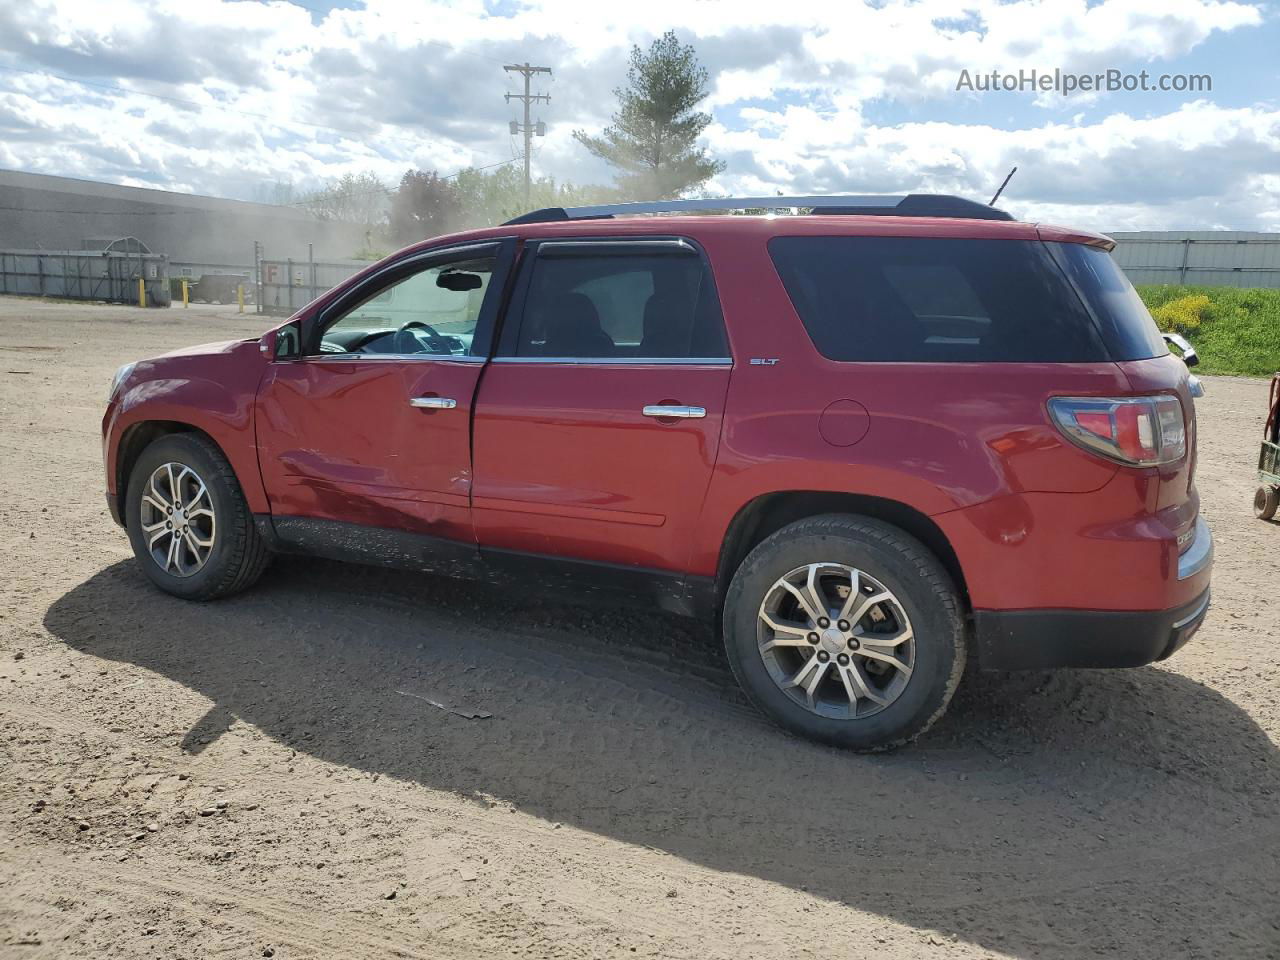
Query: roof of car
819, 225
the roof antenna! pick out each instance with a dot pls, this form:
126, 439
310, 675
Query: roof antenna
1002, 186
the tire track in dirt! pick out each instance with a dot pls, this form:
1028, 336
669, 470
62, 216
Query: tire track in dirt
267, 918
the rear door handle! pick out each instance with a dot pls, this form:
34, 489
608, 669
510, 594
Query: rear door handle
434, 403
673, 410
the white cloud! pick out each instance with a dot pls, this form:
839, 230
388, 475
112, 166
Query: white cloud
282, 94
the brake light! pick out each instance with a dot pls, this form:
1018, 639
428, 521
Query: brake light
1136, 431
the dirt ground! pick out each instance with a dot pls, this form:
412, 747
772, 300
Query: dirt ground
268, 775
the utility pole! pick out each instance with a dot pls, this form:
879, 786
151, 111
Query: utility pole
527, 128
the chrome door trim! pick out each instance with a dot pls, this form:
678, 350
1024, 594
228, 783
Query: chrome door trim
436, 357
623, 361
679, 411
607, 246
433, 403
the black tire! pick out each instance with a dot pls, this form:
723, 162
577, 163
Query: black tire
904, 566
1265, 502
239, 554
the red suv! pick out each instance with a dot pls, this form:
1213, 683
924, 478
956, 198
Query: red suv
872, 441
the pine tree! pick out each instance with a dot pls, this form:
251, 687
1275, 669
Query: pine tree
653, 139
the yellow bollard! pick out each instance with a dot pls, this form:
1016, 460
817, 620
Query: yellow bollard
142, 292
240, 296
186, 293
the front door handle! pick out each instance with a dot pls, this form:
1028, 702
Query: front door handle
674, 410
433, 403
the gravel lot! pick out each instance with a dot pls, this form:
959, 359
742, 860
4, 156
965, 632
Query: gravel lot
269, 776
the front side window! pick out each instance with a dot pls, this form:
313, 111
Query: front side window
628, 306
432, 312
929, 299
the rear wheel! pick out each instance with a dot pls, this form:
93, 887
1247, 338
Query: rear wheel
191, 530
1266, 499
846, 630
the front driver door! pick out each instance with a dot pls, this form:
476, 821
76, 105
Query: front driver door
371, 425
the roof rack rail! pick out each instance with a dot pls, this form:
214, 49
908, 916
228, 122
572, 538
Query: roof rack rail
910, 205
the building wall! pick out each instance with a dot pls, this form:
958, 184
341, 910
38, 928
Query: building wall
1201, 257
58, 213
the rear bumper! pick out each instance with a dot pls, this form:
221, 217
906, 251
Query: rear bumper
1045, 639
1199, 554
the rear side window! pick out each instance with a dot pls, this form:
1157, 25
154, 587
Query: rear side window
619, 305
1122, 317
868, 299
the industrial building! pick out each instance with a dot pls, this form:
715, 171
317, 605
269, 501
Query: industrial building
83, 239
39, 212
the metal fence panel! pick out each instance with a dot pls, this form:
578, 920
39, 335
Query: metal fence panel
286, 286
1203, 257
84, 275
194, 271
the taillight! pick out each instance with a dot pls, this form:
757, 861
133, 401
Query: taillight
1137, 431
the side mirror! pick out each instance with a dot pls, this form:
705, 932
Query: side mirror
1185, 349
287, 342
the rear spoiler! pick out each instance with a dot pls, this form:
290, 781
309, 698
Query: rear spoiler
1053, 234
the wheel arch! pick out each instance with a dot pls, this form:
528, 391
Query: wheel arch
770, 512
137, 437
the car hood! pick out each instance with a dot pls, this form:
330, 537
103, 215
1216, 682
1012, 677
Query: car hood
207, 349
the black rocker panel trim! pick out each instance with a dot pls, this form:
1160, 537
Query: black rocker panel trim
585, 580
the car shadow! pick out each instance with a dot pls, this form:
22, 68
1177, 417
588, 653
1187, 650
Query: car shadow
1034, 816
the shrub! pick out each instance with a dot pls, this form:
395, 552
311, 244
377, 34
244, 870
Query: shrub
1234, 330
1182, 315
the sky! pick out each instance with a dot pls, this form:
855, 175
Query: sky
229, 98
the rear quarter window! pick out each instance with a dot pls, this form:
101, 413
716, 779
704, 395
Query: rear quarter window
927, 299
1123, 319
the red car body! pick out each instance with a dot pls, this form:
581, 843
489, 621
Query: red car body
552, 461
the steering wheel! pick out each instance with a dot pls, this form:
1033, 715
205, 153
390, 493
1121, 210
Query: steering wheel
408, 342
431, 331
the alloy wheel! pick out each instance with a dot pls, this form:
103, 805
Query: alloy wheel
177, 519
836, 641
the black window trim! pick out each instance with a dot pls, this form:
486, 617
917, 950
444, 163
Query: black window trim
509, 332
503, 251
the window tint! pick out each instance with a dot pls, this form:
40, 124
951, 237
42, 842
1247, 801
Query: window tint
1123, 319
433, 311
934, 299
620, 306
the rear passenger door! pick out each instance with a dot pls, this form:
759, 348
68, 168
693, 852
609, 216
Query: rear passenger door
597, 423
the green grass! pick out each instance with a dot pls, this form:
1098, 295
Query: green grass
1236, 331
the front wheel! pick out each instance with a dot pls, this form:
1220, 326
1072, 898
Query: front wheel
191, 530
846, 630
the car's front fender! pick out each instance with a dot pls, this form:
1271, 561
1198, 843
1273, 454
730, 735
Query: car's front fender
212, 389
